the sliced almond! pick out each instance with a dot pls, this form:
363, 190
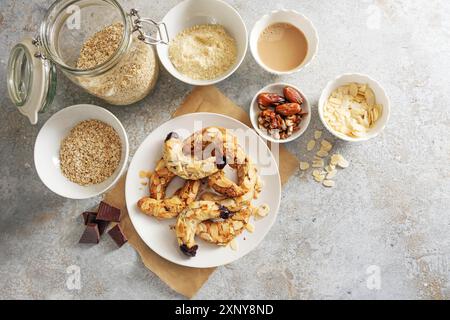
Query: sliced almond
353, 90
234, 245
342, 162
311, 144
318, 163
250, 227
322, 153
330, 168
263, 210
331, 174
318, 175
327, 146
334, 159
329, 183
317, 134
304, 166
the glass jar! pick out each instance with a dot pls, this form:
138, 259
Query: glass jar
96, 44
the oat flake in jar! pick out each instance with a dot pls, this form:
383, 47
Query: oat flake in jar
100, 47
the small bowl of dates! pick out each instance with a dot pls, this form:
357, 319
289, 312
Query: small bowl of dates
280, 112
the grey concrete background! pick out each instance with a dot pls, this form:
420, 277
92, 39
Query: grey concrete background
390, 209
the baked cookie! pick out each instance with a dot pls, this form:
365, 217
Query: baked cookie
191, 217
186, 166
157, 204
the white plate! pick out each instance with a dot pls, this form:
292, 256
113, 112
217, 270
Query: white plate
48, 142
156, 233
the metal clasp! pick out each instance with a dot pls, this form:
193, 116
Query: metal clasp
160, 28
36, 41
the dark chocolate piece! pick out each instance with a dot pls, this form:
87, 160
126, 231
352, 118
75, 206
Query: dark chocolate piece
190, 252
108, 213
91, 217
221, 161
225, 213
117, 235
90, 234
172, 135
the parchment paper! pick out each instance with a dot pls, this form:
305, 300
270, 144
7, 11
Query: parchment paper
184, 280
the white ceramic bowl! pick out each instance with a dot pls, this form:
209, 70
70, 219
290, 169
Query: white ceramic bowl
286, 16
278, 88
48, 142
193, 12
380, 96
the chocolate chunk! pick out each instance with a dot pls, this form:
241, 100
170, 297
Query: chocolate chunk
190, 252
90, 234
117, 235
221, 161
172, 135
91, 217
225, 213
108, 213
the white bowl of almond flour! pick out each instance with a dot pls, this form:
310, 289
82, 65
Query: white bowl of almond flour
81, 151
208, 41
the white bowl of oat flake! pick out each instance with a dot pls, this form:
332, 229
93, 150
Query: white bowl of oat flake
49, 149
190, 13
363, 83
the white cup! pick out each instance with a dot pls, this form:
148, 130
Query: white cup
297, 20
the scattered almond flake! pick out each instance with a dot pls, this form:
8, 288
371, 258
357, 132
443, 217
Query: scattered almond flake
329, 183
311, 144
263, 210
325, 145
334, 159
318, 163
322, 153
318, 175
330, 168
234, 245
145, 174
342, 162
331, 174
317, 134
250, 227
304, 165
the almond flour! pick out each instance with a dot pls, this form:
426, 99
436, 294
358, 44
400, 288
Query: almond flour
130, 80
203, 52
90, 153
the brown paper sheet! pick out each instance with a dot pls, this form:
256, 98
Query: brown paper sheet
184, 280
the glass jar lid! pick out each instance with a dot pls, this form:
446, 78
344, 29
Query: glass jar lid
31, 79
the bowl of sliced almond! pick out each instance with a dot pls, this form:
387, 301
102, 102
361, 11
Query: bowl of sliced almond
280, 112
354, 107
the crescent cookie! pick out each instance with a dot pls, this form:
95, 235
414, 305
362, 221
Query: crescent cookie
248, 176
183, 165
223, 232
233, 154
165, 208
191, 217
